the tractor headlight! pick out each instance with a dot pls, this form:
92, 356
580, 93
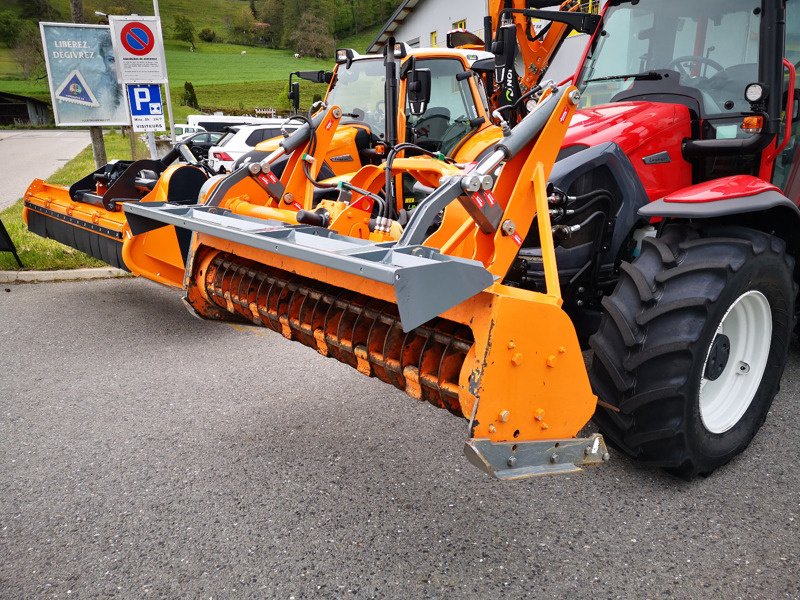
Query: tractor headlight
755, 92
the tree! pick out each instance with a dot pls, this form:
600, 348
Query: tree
189, 97
28, 52
306, 16
120, 7
272, 13
253, 9
76, 10
243, 27
40, 10
10, 27
312, 36
184, 30
207, 35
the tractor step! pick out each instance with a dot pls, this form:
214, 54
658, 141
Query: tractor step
520, 460
426, 282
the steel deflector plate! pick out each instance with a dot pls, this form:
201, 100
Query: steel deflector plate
510, 460
426, 282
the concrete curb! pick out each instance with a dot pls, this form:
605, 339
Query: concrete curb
54, 276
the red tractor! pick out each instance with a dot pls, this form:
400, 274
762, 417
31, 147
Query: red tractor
668, 229
675, 208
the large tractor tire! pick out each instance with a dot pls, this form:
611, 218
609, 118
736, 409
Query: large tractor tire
693, 345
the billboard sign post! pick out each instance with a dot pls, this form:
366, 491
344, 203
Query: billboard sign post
84, 85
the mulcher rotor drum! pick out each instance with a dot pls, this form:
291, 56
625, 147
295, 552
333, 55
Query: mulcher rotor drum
362, 332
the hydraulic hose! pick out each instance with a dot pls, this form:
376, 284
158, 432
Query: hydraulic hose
391, 199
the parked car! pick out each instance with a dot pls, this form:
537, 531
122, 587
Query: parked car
200, 143
242, 139
183, 130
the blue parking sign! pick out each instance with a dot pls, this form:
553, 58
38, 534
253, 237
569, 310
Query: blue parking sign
147, 110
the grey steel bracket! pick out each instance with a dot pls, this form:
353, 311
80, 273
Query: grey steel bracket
426, 282
417, 230
520, 460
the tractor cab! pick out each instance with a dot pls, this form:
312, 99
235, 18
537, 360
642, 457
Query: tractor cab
454, 110
717, 63
455, 105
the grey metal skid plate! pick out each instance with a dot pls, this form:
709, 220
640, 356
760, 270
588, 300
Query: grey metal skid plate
520, 460
426, 282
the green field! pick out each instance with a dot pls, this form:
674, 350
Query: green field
223, 77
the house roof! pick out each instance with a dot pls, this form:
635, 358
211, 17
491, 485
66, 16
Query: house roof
6, 97
397, 19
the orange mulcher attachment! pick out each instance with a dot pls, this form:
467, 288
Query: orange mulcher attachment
427, 313
88, 215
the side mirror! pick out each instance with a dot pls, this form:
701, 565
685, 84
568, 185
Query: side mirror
419, 90
316, 76
294, 96
345, 56
504, 46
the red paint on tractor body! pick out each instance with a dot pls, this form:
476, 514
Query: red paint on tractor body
725, 188
640, 129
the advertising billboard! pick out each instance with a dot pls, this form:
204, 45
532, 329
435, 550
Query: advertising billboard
82, 73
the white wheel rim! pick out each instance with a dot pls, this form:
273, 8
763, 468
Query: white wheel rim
748, 326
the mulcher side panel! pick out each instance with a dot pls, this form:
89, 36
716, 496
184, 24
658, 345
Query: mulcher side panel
74, 233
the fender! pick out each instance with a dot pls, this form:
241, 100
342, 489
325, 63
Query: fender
724, 197
742, 200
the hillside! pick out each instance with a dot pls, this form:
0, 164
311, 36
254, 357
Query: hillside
225, 76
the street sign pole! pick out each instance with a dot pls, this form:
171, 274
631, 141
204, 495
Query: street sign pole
131, 133
167, 94
151, 145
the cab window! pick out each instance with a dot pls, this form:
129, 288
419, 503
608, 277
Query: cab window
451, 109
786, 174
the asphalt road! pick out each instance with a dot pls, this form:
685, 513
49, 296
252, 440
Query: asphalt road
144, 453
34, 153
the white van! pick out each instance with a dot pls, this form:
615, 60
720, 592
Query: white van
185, 130
221, 122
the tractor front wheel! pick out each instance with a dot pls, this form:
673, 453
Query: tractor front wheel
693, 345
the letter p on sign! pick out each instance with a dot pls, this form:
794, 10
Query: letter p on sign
141, 95
144, 100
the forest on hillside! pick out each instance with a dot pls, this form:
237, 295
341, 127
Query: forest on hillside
309, 28
291, 23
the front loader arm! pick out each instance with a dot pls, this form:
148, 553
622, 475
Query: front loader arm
536, 51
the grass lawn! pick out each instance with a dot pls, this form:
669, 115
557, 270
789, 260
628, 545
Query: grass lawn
41, 254
225, 63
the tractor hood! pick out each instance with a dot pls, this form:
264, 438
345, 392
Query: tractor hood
651, 135
629, 124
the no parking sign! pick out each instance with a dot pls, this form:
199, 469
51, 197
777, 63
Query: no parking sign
139, 49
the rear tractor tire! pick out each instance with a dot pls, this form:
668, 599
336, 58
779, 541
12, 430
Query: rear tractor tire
693, 345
